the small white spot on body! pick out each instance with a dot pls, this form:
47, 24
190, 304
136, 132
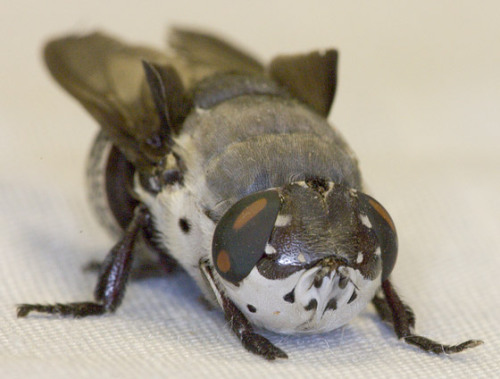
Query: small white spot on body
330, 187
301, 183
378, 252
171, 161
283, 220
301, 258
269, 249
365, 220
201, 110
359, 258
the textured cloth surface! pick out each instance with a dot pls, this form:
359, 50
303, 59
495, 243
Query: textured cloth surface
418, 101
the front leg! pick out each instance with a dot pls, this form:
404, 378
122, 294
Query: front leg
112, 278
239, 324
143, 267
252, 341
392, 309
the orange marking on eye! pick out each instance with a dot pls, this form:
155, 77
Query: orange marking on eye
382, 212
223, 262
249, 213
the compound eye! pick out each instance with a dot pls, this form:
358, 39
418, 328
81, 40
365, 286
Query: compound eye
242, 233
385, 230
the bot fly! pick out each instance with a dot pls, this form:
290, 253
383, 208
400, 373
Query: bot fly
211, 161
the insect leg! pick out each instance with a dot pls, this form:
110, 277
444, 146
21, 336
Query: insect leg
112, 278
385, 312
149, 269
149, 261
118, 263
403, 320
145, 269
240, 325
252, 341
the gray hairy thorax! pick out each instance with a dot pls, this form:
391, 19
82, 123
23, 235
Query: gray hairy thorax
253, 142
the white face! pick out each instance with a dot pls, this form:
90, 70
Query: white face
307, 257
303, 302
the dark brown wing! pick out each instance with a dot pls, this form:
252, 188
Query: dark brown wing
205, 54
311, 78
108, 79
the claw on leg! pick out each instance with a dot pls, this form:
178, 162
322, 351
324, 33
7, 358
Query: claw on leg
437, 348
392, 309
260, 345
81, 309
253, 342
112, 278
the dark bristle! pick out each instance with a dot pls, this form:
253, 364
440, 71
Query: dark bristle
290, 297
331, 305
313, 304
184, 225
353, 297
317, 183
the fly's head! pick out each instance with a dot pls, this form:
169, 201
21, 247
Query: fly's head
305, 257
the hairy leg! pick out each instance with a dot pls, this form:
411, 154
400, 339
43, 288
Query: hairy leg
143, 267
239, 324
392, 309
112, 281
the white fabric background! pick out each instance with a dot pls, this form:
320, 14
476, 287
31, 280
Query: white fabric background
418, 100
